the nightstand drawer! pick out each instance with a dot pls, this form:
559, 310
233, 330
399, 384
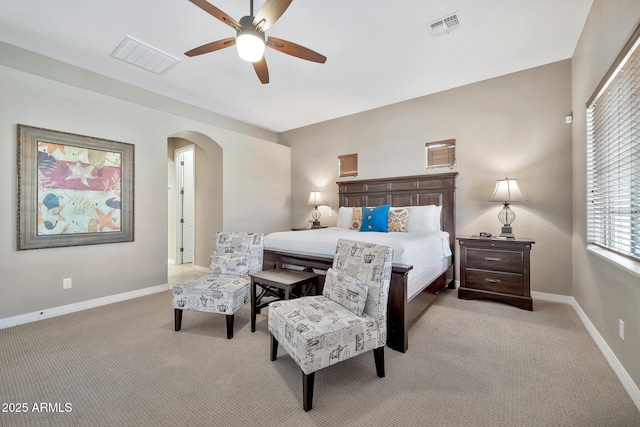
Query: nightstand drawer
506, 283
496, 260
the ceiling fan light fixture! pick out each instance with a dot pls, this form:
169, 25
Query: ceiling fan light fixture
250, 39
250, 45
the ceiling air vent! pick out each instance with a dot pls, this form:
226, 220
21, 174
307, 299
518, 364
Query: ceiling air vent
144, 56
445, 25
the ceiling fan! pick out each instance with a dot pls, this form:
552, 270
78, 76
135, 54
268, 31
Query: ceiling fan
250, 38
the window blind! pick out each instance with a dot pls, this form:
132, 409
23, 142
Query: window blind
613, 157
441, 153
348, 165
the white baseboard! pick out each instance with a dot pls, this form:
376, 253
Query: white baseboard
543, 296
623, 376
79, 306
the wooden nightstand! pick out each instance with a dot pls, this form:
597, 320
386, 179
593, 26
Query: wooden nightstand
496, 269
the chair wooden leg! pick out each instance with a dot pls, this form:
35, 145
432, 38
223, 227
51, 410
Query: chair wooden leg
378, 355
307, 390
274, 347
177, 317
230, 325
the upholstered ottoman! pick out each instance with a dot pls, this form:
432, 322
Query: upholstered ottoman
226, 288
222, 293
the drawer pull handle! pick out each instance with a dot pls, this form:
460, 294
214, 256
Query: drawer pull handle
492, 280
488, 258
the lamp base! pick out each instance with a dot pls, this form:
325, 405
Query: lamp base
507, 232
316, 224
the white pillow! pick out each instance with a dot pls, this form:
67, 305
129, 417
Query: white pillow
438, 218
437, 225
344, 217
424, 218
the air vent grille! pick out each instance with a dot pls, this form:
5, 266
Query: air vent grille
144, 56
445, 25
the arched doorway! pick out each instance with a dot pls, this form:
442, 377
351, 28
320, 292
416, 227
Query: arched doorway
207, 196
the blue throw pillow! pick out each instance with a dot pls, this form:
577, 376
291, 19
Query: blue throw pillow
375, 219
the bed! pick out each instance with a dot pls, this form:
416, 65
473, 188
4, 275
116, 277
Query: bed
416, 278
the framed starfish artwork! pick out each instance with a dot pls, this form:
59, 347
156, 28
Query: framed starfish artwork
73, 190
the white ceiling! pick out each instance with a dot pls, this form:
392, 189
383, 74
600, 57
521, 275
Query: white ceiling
379, 51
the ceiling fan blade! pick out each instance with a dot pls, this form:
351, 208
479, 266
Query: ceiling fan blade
269, 13
262, 71
216, 13
295, 50
212, 47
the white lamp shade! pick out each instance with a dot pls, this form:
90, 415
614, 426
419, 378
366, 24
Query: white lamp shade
250, 46
507, 191
315, 198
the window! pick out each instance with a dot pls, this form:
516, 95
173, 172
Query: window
348, 165
613, 156
441, 153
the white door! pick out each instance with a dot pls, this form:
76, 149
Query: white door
186, 204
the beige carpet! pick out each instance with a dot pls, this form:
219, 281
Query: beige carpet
470, 363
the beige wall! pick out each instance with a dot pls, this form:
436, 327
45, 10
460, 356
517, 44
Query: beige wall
512, 126
605, 291
32, 280
208, 202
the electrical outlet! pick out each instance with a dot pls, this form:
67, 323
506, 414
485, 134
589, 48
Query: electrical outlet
621, 325
66, 283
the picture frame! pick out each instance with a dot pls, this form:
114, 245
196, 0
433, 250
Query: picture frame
73, 190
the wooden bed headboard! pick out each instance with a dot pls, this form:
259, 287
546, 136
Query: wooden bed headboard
416, 190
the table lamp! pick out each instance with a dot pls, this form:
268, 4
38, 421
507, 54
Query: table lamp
315, 199
507, 191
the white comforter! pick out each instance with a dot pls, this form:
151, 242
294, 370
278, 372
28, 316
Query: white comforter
422, 249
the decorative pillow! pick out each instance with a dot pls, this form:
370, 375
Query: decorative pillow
375, 219
356, 218
398, 219
236, 264
344, 217
346, 291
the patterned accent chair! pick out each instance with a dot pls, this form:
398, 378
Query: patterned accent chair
226, 288
348, 319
